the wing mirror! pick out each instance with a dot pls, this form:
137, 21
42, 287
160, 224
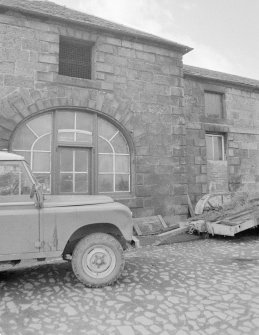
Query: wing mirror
37, 190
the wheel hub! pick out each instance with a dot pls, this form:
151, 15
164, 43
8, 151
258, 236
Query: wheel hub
99, 262
99, 259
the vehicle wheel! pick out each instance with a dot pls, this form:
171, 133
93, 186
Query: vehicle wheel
98, 260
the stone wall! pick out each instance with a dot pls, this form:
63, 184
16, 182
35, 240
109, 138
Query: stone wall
137, 84
217, 176
240, 128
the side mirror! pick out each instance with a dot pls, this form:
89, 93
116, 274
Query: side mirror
33, 190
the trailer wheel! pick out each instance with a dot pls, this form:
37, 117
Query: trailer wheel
98, 260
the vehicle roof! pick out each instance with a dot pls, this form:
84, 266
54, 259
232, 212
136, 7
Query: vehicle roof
8, 156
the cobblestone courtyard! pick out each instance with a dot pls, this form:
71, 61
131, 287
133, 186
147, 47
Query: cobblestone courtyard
198, 287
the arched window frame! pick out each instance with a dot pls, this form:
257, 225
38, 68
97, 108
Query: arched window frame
94, 147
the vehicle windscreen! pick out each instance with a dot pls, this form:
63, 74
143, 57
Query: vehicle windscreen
15, 183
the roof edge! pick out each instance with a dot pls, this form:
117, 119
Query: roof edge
196, 72
136, 36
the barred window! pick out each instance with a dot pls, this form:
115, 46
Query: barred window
75, 58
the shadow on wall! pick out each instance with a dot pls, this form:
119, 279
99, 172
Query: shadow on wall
235, 183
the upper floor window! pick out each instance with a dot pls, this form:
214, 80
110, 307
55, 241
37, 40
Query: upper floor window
214, 104
75, 58
74, 152
215, 147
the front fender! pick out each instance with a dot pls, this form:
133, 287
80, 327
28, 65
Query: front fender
59, 223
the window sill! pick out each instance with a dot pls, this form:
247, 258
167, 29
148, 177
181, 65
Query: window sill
210, 119
84, 83
79, 82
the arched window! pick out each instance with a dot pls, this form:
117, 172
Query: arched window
75, 152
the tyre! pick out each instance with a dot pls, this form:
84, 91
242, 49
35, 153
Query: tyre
98, 260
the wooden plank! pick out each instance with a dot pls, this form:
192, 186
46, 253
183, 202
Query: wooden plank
228, 230
192, 213
136, 227
162, 221
230, 223
148, 225
240, 213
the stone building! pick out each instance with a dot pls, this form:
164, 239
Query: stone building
222, 127
100, 108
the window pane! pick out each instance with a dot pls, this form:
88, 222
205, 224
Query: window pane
74, 126
66, 136
217, 142
25, 154
44, 180
105, 163
23, 139
66, 160
81, 183
104, 146
105, 183
9, 179
84, 121
65, 120
14, 179
106, 129
122, 183
43, 143
81, 161
120, 145
41, 162
84, 137
66, 183
122, 164
41, 125
209, 147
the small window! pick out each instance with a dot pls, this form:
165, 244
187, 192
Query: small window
215, 147
214, 104
75, 58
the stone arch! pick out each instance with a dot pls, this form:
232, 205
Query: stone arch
22, 103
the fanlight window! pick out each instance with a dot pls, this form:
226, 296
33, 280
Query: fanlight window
63, 147
33, 141
113, 159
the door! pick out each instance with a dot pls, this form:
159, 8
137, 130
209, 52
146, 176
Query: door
217, 165
19, 218
73, 175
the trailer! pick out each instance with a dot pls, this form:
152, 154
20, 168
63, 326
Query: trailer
228, 223
233, 224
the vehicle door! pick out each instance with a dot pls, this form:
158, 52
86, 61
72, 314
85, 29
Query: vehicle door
19, 217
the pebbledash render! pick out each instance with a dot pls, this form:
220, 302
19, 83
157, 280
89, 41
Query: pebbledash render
99, 108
